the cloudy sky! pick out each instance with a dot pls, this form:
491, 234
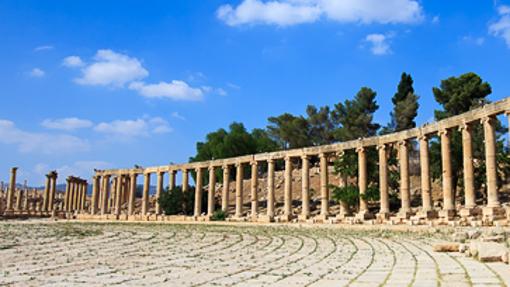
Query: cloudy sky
104, 84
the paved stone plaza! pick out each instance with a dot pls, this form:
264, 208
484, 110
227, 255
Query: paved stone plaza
94, 254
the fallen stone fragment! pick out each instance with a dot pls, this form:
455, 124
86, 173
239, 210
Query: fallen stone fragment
446, 247
488, 251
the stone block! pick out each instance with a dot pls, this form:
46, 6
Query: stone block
447, 214
487, 251
446, 247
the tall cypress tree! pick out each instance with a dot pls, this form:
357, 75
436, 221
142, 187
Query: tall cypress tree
405, 105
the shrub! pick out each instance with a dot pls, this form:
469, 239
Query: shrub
219, 215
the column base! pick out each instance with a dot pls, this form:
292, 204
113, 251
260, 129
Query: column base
469, 211
265, 218
364, 215
303, 217
427, 214
490, 214
447, 214
404, 214
343, 215
321, 218
286, 218
382, 216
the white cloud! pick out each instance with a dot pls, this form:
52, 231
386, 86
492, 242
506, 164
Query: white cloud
37, 73
72, 62
233, 86
501, 28
112, 69
142, 127
292, 12
43, 48
178, 116
29, 142
379, 44
478, 41
66, 124
176, 90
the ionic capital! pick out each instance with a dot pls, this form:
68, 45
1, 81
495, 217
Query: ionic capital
403, 143
381, 147
487, 120
443, 131
464, 126
211, 168
340, 153
360, 149
323, 155
254, 163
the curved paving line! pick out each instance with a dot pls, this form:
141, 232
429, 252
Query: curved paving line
393, 263
274, 260
414, 259
349, 259
439, 277
372, 258
503, 283
466, 273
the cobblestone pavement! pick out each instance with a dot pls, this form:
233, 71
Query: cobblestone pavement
69, 254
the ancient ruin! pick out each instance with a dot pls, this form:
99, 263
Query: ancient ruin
114, 191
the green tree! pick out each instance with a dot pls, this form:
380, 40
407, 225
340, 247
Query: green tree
405, 105
321, 125
355, 118
289, 131
458, 95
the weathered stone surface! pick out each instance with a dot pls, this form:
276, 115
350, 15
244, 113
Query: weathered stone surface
487, 251
446, 247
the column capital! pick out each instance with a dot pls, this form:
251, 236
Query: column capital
340, 153
305, 157
254, 163
381, 147
507, 113
287, 158
403, 143
360, 149
197, 169
487, 119
13, 169
464, 126
237, 164
211, 168
443, 131
271, 160
423, 137
323, 155
225, 167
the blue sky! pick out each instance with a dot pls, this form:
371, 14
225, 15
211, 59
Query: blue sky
109, 84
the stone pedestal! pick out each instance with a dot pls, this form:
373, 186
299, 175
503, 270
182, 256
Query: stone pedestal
404, 214
285, 218
382, 216
447, 214
468, 212
303, 218
427, 214
490, 214
265, 219
321, 218
364, 215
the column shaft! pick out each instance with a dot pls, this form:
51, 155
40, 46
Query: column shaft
95, 190
491, 162
132, 194
145, 196
118, 194
46, 194
405, 194
239, 190
211, 191
305, 186
362, 179
104, 200
53, 191
324, 185
467, 160
159, 188
225, 191
448, 196
253, 189
12, 188
426, 194
270, 188
198, 192
383, 179
288, 188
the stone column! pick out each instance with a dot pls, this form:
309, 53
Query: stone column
253, 189
225, 192
324, 186
239, 189
53, 191
287, 189
270, 189
198, 192
490, 162
405, 194
104, 200
132, 193
85, 186
171, 179
67, 195
145, 196
426, 194
75, 193
118, 195
19, 195
362, 180
384, 209
211, 191
305, 187
159, 188
467, 159
12, 189
46, 194
448, 196
96, 179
